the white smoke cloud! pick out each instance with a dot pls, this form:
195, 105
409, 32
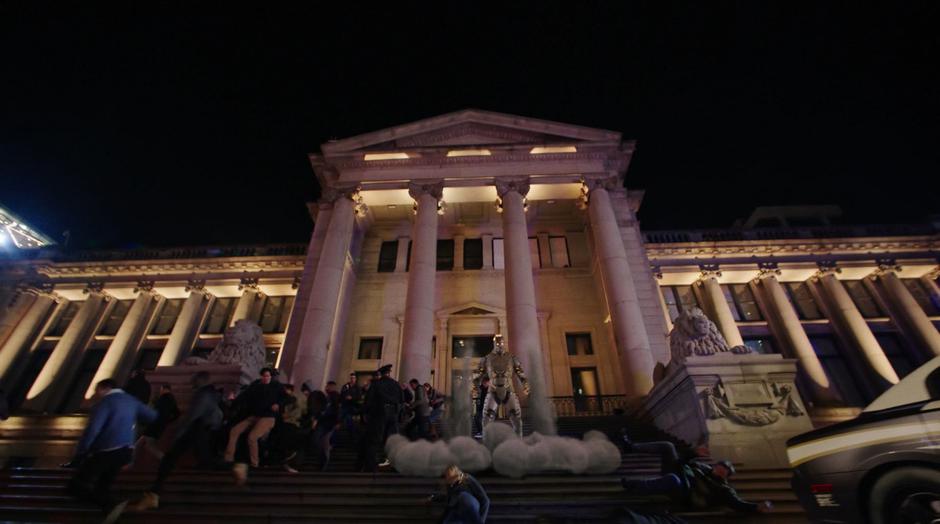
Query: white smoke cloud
511, 456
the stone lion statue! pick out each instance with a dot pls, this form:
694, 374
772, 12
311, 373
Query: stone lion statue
694, 334
242, 344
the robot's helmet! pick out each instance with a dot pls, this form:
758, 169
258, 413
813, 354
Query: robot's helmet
499, 346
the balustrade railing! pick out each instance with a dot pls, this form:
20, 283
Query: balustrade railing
588, 406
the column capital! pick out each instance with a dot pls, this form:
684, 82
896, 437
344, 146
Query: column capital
709, 271
767, 269
144, 286
333, 193
195, 285
886, 265
518, 184
592, 182
933, 274
435, 188
827, 267
93, 287
248, 283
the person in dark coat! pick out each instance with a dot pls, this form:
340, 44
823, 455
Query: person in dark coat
138, 387
106, 446
697, 485
467, 501
383, 403
263, 400
167, 412
349, 405
193, 432
4, 406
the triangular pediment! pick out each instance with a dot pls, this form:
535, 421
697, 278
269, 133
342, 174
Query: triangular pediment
470, 127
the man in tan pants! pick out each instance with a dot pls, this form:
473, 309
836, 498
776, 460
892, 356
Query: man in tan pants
262, 401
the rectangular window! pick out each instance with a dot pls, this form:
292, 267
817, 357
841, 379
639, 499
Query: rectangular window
220, 315
473, 253
65, 319
472, 346
445, 254
579, 344
840, 376
760, 345
669, 298
678, 299
534, 253
275, 313
896, 352
37, 360
559, 249
863, 300
167, 317
585, 389
499, 262
388, 256
732, 305
802, 300
746, 304
370, 348
270, 355
922, 296
116, 318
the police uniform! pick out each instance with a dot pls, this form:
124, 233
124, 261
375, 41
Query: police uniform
383, 402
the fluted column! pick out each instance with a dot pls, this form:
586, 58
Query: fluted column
520, 297
418, 330
311, 357
23, 334
907, 311
847, 314
187, 325
248, 304
636, 358
122, 352
822, 390
295, 325
717, 305
57, 374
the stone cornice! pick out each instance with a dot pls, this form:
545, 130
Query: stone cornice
441, 160
828, 246
174, 267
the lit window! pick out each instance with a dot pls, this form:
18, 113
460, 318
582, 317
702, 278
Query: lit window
220, 315
370, 348
744, 302
542, 150
475, 347
275, 313
802, 300
385, 156
863, 300
116, 318
469, 152
678, 299
168, 315
760, 345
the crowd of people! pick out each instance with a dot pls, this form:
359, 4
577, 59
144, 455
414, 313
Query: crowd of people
270, 424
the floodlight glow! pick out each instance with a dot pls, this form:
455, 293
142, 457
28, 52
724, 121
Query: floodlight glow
469, 152
385, 156
19, 233
543, 150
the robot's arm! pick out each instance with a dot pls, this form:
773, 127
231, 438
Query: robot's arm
517, 369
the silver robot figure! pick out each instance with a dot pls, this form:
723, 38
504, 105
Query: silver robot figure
499, 366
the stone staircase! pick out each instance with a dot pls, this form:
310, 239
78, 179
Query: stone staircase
37, 494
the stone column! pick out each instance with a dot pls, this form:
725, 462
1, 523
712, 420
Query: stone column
18, 303
187, 325
121, 353
401, 257
285, 359
248, 304
56, 375
23, 334
845, 312
930, 282
520, 298
794, 335
717, 305
907, 310
419, 302
626, 315
310, 361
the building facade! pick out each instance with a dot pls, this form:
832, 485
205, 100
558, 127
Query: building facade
433, 236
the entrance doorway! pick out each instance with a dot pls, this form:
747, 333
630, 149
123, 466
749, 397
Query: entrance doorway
474, 347
585, 388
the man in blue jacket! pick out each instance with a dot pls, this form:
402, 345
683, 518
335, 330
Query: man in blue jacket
107, 446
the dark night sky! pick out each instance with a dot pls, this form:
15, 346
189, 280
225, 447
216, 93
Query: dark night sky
131, 126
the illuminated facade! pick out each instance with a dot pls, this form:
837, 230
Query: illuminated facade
431, 237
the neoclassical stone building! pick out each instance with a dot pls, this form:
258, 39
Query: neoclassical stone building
433, 236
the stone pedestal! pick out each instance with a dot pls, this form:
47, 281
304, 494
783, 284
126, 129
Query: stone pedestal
744, 407
226, 376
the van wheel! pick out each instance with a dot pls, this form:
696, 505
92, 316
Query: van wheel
907, 495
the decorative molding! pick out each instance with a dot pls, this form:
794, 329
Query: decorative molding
657, 271
495, 158
822, 247
709, 270
608, 182
887, 264
108, 269
295, 284
96, 286
432, 138
827, 266
248, 283
768, 268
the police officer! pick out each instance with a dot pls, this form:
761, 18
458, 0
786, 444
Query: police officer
383, 402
